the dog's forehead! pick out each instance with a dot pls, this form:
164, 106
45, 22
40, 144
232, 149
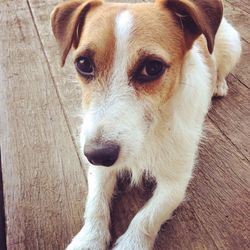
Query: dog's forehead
143, 26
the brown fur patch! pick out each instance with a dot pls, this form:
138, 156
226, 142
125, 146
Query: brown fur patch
67, 20
98, 35
196, 18
159, 35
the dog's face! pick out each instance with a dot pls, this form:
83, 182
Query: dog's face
129, 59
132, 66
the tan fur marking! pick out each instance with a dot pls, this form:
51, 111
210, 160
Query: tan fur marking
163, 43
98, 35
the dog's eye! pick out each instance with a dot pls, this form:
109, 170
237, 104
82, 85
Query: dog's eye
84, 66
150, 70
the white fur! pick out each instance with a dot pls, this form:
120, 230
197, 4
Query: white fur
118, 104
169, 159
123, 27
102, 115
175, 154
227, 54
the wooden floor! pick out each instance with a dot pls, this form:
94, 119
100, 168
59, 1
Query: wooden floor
42, 179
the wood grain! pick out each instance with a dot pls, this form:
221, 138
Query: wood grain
234, 123
67, 87
43, 179
240, 4
240, 19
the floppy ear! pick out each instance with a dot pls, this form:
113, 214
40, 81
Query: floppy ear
67, 20
197, 17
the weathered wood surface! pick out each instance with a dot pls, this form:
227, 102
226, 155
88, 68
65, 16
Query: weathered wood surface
42, 177
240, 18
44, 185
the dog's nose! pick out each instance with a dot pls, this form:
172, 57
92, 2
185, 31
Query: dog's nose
102, 154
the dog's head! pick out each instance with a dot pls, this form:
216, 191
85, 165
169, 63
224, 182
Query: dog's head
129, 59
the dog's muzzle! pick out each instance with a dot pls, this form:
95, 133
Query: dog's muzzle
102, 154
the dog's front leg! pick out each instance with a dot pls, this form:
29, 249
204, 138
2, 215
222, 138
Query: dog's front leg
95, 233
144, 227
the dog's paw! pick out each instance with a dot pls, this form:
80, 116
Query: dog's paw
221, 88
133, 242
90, 240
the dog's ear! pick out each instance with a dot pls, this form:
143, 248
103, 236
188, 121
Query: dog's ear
197, 17
67, 20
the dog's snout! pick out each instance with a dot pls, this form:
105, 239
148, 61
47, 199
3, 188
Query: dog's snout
102, 154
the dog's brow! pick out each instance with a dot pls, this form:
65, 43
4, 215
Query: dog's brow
88, 51
143, 54
159, 53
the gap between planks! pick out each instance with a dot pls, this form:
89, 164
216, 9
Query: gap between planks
241, 82
238, 5
57, 91
226, 137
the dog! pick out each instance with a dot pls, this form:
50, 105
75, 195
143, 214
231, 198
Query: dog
148, 72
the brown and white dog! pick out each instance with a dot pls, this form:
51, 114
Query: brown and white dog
148, 72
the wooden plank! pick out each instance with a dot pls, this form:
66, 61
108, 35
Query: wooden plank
239, 19
68, 88
241, 4
43, 182
232, 115
222, 184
